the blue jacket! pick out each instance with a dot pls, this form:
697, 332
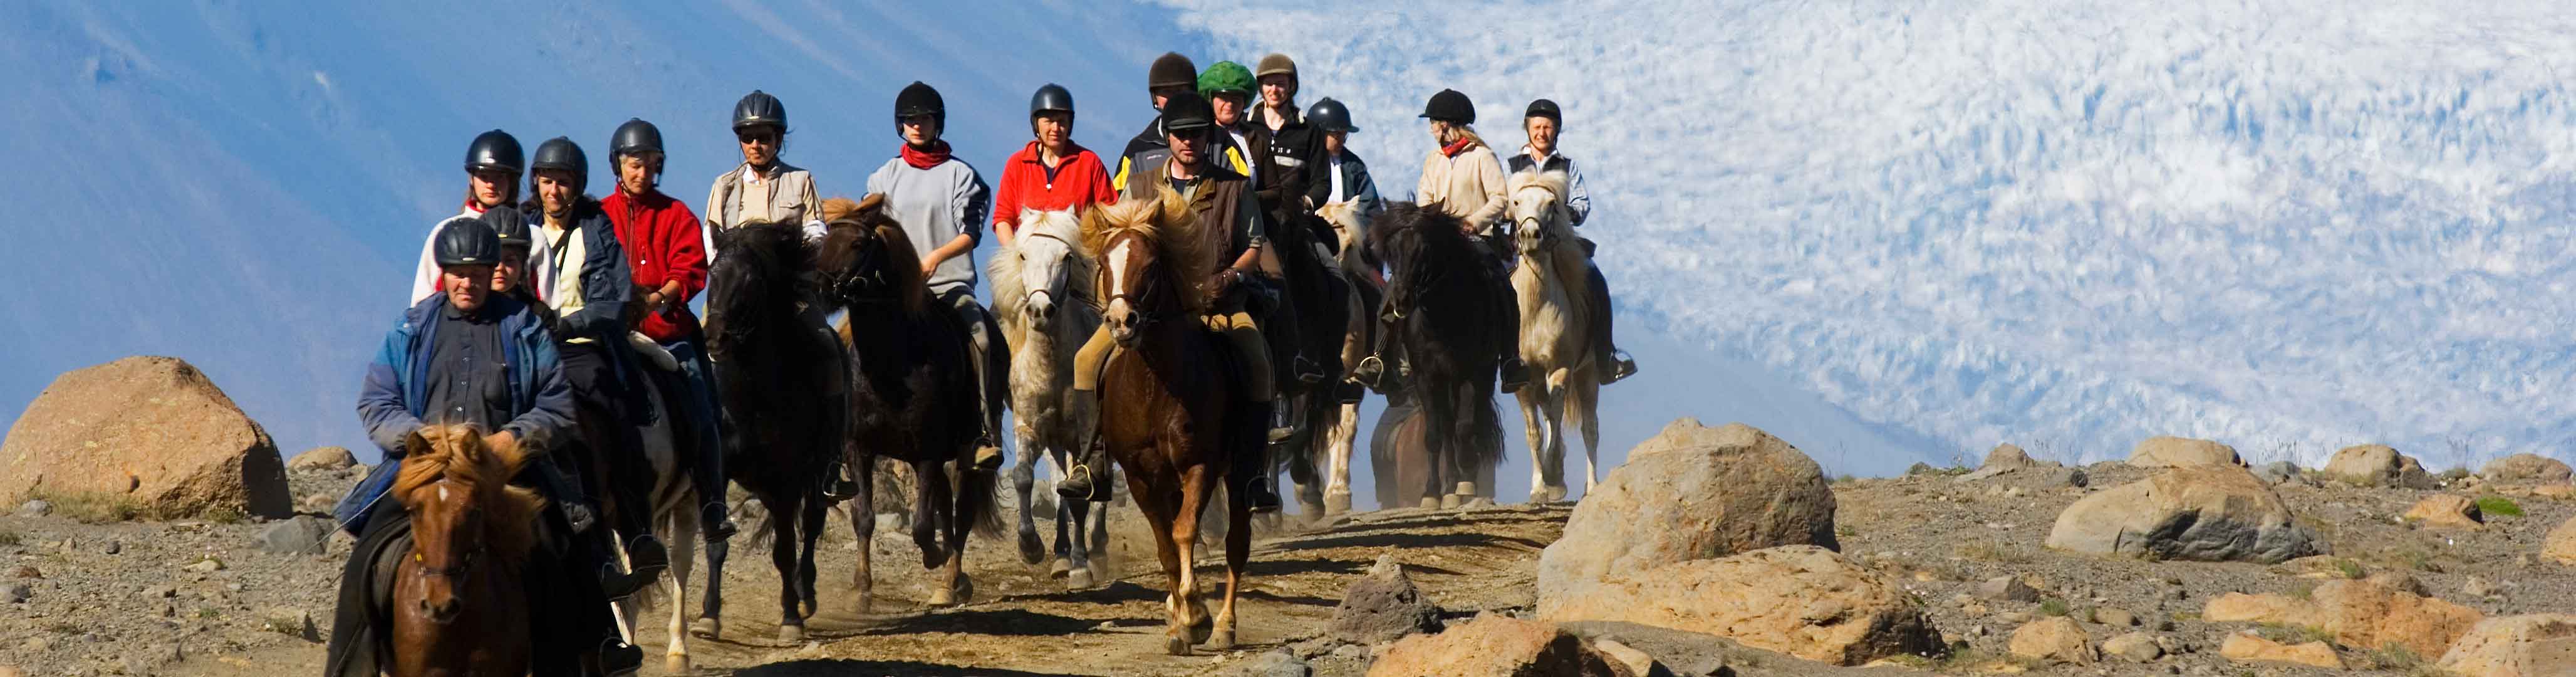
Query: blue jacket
605, 277
390, 401
1355, 181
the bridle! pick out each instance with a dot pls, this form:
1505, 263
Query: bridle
463, 566
1146, 314
1069, 256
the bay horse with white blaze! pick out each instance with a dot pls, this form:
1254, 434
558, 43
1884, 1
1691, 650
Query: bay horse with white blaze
1553, 341
460, 605
1172, 412
1044, 298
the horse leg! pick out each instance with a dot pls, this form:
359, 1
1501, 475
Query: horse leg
1337, 458
1238, 552
1024, 478
1077, 575
1585, 408
682, 524
1191, 624
929, 480
784, 508
710, 623
1159, 510
1441, 440
1534, 428
1559, 398
961, 515
806, 569
863, 524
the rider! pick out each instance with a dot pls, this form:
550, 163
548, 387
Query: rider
1218, 199
466, 355
1279, 191
1346, 177
942, 203
763, 187
492, 164
665, 254
1462, 178
1171, 73
1296, 146
1543, 122
1052, 172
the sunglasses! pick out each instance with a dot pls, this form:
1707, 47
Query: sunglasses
758, 137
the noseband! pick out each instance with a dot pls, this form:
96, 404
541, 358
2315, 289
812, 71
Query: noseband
464, 565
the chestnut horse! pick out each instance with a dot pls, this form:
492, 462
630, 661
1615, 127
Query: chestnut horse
1438, 305
459, 607
1172, 413
913, 398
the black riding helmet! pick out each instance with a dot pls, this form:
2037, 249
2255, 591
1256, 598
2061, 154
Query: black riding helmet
494, 150
1171, 70
561, 154
758, 109
509, 227
1187, 112
1329, 115
636, 136
1051, 98
1450, 106
466, 241
1543, 108
918, 99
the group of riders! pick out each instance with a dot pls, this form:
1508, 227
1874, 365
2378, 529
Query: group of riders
554, 319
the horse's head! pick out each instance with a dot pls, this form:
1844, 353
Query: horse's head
465, 516
1538, 212
1346, 219
753, 282
1043, 268
867, 259
1136, 241
1403, 236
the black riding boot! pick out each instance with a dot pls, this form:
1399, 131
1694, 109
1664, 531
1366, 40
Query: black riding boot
1260, 491
1613, 362
1514, 374
1088, 479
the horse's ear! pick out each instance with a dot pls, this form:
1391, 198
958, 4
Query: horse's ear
839, 208
872, 203
1175, 211
511, 453
415, 444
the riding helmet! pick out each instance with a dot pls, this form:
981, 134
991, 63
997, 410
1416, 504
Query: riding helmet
1276, 64
759, 109
1450, 106
561, 154
1329, 115
1187, 112
1052, 97
1172, 70
636, 136
1226, 77
494, 149
508, 227
920, 99
466, 241
1543, 108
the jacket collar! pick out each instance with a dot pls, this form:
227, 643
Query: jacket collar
1029, 153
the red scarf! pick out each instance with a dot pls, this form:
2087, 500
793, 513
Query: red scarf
925, 159
1455, 147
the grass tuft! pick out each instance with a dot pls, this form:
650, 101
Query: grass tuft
2053, 607
2350, 568
2493, 506
91, 507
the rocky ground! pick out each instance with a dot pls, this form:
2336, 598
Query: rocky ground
1965, 550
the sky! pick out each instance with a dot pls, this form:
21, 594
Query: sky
1887, 232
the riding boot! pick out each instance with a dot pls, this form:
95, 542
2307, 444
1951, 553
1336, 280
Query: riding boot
1613, 362
1260, 491
645, 561
1088, 479
1284, 415
1508, 321
555, 483
615, 658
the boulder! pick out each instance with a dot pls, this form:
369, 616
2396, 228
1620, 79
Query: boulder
2188, 513
2250, 648
2007, 457
151, 430
36, 508
2135, 647
2560, 545
1637, 662
2556, 492
1383, 606
1801, 600
2056, 639
2531, 468
1496, 646
2378, 465
300, 535
2278, 472
1279, 663
1692, 492
322, 458
2530, 645
2373, 613
2449, 511
2171, 452
2007, 589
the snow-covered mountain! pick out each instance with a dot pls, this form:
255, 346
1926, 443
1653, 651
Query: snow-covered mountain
2291, 226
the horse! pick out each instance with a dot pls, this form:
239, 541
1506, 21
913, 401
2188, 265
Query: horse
673, 500
1172, 414
1440, 310
1340, 425
914, 397
785, 390
459, 604
1043, 296
1398, 454
1322, 302
1553, 339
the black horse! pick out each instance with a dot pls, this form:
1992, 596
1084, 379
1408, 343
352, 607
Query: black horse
1317, 299
1438, 304
785, 389
915, 397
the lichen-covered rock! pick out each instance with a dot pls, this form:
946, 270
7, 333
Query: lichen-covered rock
2378, 465
1801, 600
151, 430
2214, 514
1691, 492
2182, 452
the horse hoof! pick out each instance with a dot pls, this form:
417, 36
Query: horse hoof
1176, 645
1060, 567
677, 664
706, 628
1202, 630
1221, 640
791, 634
1337, 504
942, 597
1555, 494
1428, 502
1451, 501
965, 589
1477, 502
1078, 579
1032, 550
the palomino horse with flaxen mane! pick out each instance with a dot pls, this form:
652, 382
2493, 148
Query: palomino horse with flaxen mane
460, 606
914, 398
1554, 313
1044, 298
1338, 428
1172, 413
1442, 315
785, 388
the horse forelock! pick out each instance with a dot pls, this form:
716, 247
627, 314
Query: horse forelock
455, 458
1553, 182
759, 263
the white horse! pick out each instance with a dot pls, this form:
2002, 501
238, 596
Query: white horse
1549, 279
675, 516
1341, 426
1043, 297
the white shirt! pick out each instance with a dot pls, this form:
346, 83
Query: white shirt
1337, 195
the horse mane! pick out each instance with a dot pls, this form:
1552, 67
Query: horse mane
1434, 226
774, 252
1553, 181
1009, 291
458, 454
902, 261
1164, 222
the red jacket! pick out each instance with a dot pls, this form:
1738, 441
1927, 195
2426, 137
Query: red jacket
660, 235
1079, 182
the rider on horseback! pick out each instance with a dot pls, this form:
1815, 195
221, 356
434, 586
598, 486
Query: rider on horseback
492, 164
1543, 122
1346, 177
665, 252
1170, 74
1052, 172
941, 202
469, 356
1220, 199
1463, 179
1279, 191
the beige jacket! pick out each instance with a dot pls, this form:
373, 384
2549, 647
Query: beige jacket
1469, 186
785, 195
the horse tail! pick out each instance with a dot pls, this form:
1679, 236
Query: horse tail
1487, 446
979, 499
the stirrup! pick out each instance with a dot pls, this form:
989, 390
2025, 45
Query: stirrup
1620, 366
988, 456
837, 485
1369, 371
1515, 375
717, 522
1081, 485
1305, 370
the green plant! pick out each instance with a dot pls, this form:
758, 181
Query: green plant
2394, 656
90, 507
1845, 531
2350, 568
2303, 590
10, 537
223, 514
208, 612
283, 626
2053, 607
1990, 551
2494, 506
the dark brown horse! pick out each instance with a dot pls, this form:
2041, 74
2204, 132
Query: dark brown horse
914, 398
1398, 456
1172, 414
1439, 306
459, 606
785, 390
1320, 298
